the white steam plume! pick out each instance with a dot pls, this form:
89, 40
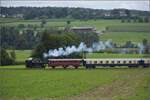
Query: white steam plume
140, 48
82, 47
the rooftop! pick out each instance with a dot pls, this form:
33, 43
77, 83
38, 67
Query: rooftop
82, 28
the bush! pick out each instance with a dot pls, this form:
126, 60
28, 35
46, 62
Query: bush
5, 58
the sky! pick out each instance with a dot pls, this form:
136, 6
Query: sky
97, 4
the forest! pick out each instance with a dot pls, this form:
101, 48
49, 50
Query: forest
70, 13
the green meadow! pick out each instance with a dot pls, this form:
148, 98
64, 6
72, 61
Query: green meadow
123, 37
21, 55
118, 32
20, 83
99, 24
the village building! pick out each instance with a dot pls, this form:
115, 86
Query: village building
2, 15
20, 16
123, 14
107, 14
83, 29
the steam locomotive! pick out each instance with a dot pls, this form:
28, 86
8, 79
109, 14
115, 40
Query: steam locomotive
88, 63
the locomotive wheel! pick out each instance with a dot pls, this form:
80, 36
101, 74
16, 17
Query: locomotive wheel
76, 67
130, 66
65, 67
93, 67
87, 67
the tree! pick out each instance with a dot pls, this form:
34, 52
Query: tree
127, 12
122, 20
13, 55
146, 19
134, 19
21, 26
4, 58
68, 22
129, 20
129, 44
43, 22
38, 51
145, 42
140, 20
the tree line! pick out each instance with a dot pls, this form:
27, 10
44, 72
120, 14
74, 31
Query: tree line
11, 38
135, 19
70, 13
51, 41
6, 58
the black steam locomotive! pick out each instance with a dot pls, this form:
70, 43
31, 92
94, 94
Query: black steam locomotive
34, 63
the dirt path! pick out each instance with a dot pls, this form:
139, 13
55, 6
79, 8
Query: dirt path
110, 92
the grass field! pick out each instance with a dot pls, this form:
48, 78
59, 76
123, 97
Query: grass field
106, 84
21, 55
99, 24
108, 55
122, 37
118, 32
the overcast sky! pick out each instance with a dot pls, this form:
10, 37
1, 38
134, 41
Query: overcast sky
111, 4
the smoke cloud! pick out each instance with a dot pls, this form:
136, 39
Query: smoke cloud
82, 47
140, 48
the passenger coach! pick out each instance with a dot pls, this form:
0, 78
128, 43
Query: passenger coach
92, 63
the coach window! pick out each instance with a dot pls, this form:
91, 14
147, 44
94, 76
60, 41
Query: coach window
130, 61
107, 62
101, 62
112, 62
95, 62
118, 62
89, 62
124, 62
134, 61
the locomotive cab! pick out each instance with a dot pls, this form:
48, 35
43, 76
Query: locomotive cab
34, 63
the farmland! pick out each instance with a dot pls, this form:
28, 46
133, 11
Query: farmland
122, 37
99, 24
124, 84
21, 55
118, 32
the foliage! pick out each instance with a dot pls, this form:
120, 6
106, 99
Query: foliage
13, 55
64, 12
5, 59
12, 39
21, 55
54, 41
146, 19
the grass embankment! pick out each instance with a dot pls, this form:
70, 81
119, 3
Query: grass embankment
21, 55
123, 37
115, 56
99, 24
119, 84
123, 33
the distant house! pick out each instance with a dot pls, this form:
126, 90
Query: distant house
107, 14
123, 14
18, 16
83, 29
2, 15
